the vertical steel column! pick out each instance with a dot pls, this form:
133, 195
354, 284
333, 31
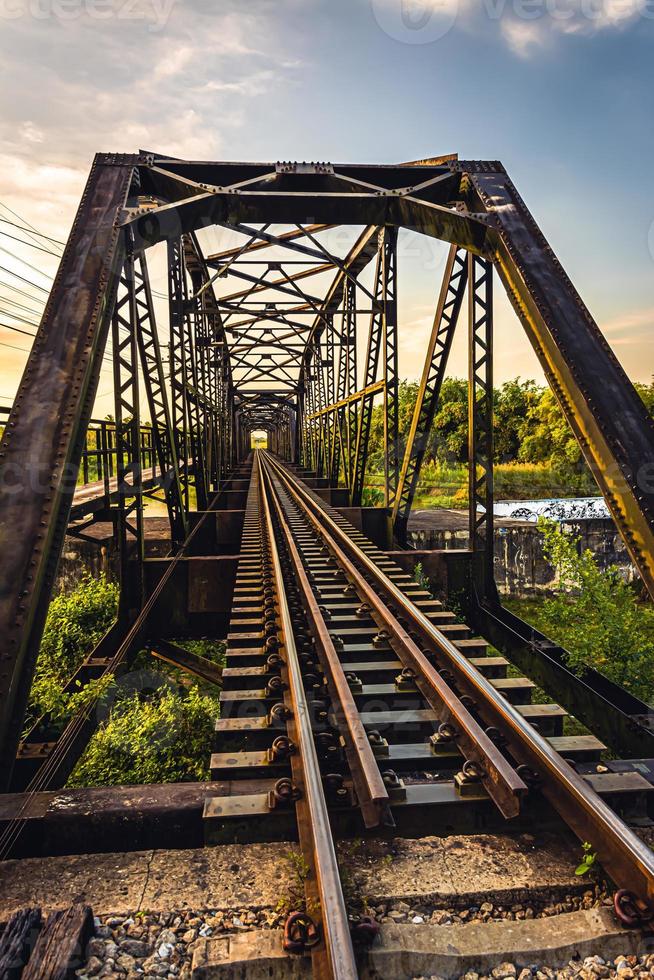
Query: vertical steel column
183, 375
480, 408
128, 441
311, 406
177, 363
155, 388
320, 422
438, 350
375, 338
328, 347
340, 457
203, 405
300, 421
351, 410
389, 353
194, 401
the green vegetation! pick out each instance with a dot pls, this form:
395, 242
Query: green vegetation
446, 484
595, 615
76, 621
159, 726
164, 736
421, 578
160, 720
536, 454
588, 860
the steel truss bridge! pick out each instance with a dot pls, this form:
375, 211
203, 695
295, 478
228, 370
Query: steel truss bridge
291, 329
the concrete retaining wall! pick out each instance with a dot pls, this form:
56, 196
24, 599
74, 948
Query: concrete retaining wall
520, 566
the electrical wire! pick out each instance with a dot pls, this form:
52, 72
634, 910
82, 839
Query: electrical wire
10, 326
23, 220
22, 278
39, 272
21, 292
25, 350
30, 244
19, 306
25, 228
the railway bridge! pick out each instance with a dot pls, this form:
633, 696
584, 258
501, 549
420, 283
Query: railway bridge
345, 676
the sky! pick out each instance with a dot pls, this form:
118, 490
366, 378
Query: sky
558, 90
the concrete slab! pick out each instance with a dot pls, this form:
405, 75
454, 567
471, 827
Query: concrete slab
227, 877
453, 871
407, 951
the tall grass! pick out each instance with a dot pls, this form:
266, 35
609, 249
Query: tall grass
446, 484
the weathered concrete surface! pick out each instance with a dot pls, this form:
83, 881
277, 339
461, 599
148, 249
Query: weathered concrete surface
452, 871
225, 877
107, 818
406, 951
447, 869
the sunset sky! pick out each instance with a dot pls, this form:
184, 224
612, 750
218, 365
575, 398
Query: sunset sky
558, 90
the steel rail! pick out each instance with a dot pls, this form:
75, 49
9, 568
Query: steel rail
338, 951
372, 795
498, 776
622, 854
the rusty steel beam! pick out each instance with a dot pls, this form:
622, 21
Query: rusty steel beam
43, 440
611, 424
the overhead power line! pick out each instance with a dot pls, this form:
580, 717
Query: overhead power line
33, 231
22, 278
39, 272
30, 244
25, 228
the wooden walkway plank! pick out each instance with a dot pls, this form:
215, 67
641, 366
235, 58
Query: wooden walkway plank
17, 942
59, 949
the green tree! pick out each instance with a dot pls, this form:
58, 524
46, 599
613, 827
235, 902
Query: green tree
595, 615
163, 738
76, 621
448, 441
546, 436
646, 392
512, 405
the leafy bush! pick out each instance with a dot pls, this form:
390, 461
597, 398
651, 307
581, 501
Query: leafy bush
76, 621
164, 737
596, 616
372, 497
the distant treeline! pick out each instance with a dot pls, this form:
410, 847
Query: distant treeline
529, 425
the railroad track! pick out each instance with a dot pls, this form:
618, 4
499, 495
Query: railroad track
354, 702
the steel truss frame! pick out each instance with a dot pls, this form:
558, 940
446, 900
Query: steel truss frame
455, 281
263, 355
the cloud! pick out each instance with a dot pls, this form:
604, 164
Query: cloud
69, 88
522, 37
527, 25
524, 25
634, 326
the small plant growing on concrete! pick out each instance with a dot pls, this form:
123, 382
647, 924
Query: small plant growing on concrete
295, 899
588, 859
420, 577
